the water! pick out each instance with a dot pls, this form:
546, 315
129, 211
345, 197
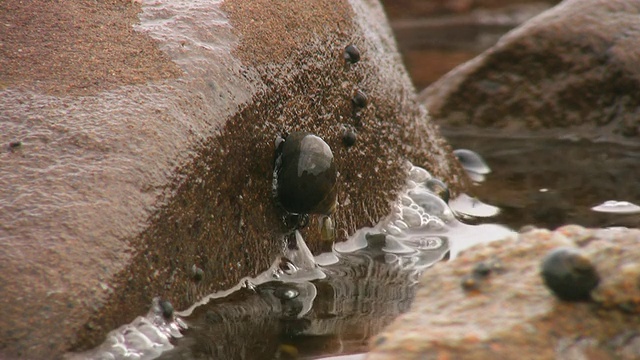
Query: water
307, 307
556, 180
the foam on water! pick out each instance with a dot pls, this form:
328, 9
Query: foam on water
146, 337
464, 205
617, 207
420, 231
421, 222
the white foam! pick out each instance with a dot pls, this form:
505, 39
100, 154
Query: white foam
617, 207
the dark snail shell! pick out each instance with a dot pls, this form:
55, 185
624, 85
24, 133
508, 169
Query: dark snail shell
166, 308
349, 137
570, 275
305, 175
360, 99
351, 54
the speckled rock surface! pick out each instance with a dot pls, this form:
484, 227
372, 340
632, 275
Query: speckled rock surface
510, 314
573, 66
143, 138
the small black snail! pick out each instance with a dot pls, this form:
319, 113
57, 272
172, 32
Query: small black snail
349, 137
351, 54
360, 99
305, 175
570, 275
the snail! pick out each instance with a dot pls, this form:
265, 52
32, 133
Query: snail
359, 99
349, 137
569, 274
305, 177
351, 54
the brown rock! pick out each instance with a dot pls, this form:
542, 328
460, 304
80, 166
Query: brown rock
573, 65
510, 314
433, 45
146, 148
411, 9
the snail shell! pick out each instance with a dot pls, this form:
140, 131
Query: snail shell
351, 54
569, 274
360, 99
349, 137
305, 175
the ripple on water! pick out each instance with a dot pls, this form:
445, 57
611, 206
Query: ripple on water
342, 297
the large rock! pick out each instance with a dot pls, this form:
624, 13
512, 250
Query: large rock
411, 9
146, 146
572, 66
510, 314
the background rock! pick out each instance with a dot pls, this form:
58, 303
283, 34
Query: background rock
434, 36
136, 164
510, 313
572, 66
405, 9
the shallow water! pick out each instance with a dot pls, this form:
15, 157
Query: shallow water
551, 181
307, 307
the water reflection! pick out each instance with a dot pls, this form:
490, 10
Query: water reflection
358, 296
304, 306
549, 182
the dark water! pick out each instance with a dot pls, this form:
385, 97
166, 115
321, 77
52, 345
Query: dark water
359, 296
549, 182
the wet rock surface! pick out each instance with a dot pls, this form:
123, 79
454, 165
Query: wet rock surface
509, 312
159, 156
573, 66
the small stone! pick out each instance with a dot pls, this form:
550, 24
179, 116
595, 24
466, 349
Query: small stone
482, 269
470, 282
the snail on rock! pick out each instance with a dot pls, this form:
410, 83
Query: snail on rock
305, 179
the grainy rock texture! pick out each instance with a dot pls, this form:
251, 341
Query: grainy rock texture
574, 65
142, 145
510, 314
